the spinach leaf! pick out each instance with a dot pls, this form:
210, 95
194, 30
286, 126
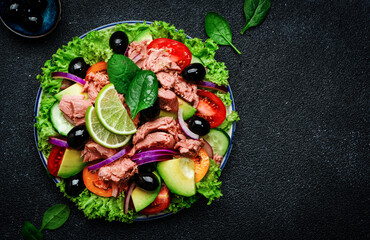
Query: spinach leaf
121, 70
55, 217
142, 92
255, 12
30, 232
218, 29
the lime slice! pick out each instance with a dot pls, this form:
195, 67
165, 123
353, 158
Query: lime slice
100, 134
111, 112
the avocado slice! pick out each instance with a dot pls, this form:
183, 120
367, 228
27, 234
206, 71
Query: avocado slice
178, 174
75, 89
188, 110
142, 198
72, 163
144, 35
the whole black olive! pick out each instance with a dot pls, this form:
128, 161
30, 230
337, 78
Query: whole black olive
150, 113
74, 185
78, 67
148, 181
194, 72
77, 137
118, 42
13, 11
199, 125
149, 167
32, 22
37, 5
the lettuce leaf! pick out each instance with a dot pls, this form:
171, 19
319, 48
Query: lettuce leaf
225, 97
230, 119
210, 186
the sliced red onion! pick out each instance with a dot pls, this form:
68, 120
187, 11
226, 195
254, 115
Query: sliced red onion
153, 159
137, 58
69, 77
208, 148
184, 126
126, 52
128, 196
158, 155
212, 85
154, 152
114, 189
111, 159
58, 142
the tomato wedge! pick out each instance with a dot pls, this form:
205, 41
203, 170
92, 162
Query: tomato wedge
55, 160
201, 165
160, 203
179, 52
91, 181
211, 108
97, 67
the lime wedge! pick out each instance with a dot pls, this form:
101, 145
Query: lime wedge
111, 112
100, 134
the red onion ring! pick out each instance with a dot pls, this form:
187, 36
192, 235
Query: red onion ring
184, 126
111, 159
58, 142
69, 77
212, 85
136, 158
208, 148
128, 196
154, 159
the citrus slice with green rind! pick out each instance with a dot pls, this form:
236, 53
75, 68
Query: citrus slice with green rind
100, 134
111, 112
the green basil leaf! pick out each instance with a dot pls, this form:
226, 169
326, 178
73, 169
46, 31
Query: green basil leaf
255, 12
55, 217
30, 232
142, 92
218, 29
121, 70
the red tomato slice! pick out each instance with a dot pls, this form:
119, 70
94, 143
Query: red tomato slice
160, 203
179, 52
211, 108
55, 160
91, 181
97, 67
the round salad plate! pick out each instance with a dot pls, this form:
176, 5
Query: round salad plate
57, 180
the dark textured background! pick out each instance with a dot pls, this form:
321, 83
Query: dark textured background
299, 167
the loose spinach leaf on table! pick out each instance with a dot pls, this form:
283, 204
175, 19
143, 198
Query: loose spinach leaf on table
121, 70
255, 12
55, 217
142, 92
218, 29
30, 232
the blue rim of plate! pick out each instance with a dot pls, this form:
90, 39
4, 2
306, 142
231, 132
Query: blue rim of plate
38, 101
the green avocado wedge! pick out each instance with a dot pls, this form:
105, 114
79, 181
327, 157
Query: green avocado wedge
72, 163
142, 198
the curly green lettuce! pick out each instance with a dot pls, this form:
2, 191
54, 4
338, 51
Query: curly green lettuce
230, 119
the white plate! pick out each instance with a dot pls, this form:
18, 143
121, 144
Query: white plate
44, 159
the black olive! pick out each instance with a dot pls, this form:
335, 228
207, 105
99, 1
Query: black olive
118, 42
149, 167
148, 181
13, 11
150, 113
77, 137
32, 22
37, 5
78, 67
199, 125
74, 185
194, 72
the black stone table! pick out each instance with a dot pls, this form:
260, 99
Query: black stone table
299, 167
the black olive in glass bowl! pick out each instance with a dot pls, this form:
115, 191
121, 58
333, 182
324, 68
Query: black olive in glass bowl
13, 11
150, 113
118, 42
194, 72
77, 137
37, 5
32, 22
78, 67
74, 185
199, 125
147, 181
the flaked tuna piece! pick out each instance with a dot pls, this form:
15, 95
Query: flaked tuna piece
94, 151
218, 159
74, 107
118, 171
94, 83
138, 52
189, 147
156, 139
168, 100
165, 124
167, 79
187, 91
159, 61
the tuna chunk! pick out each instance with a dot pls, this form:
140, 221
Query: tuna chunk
74, 107
159, 61
166, 124
167, 80
94, 151
120, 170
168, 100
156, 139
94, 83
187, 91
218, 159
138, 52
189, 147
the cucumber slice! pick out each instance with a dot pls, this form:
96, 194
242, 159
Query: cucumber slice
219, 140
59, 122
